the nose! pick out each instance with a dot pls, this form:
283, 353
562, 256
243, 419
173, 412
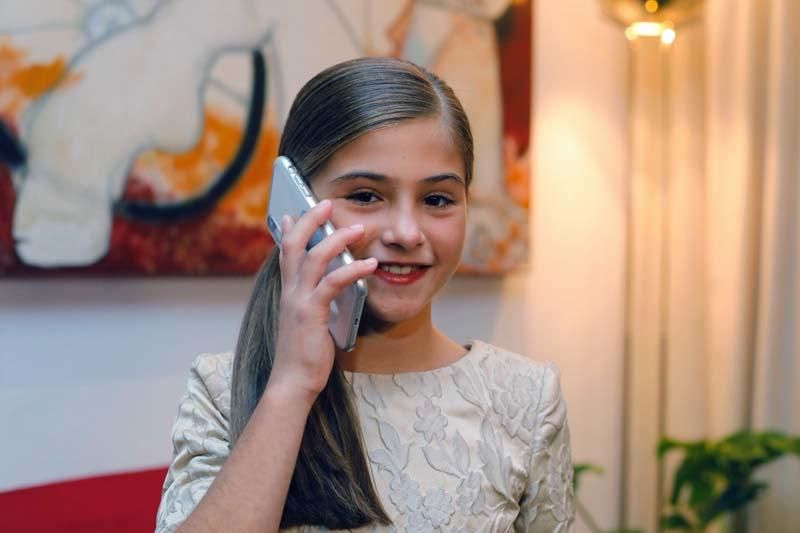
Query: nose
402, 229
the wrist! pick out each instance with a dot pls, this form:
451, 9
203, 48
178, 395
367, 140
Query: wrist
289, 395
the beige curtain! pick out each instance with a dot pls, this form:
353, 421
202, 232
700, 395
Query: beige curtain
752, 232
713, 321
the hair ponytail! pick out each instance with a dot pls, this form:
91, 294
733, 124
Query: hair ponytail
331, 485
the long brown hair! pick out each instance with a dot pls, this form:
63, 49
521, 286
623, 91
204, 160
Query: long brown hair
332, 485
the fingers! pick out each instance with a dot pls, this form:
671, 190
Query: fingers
296, 235
333, 283
317, 259
287, 223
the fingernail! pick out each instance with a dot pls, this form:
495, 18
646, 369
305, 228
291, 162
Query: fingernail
357, 227
371, 261
324, 203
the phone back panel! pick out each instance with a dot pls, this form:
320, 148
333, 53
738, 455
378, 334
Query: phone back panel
291, 195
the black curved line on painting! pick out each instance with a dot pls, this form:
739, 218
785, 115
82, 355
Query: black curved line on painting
11, 151
207, 199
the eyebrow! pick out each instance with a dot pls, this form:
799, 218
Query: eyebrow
357, 174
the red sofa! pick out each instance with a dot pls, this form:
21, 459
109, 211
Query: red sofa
120, 503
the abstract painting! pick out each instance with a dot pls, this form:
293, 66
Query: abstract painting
137, 136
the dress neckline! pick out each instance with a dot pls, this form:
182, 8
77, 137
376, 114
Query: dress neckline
472, 347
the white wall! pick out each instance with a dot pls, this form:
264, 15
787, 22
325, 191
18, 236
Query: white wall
92, 369
576, 282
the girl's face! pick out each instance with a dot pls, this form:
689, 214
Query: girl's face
405, 184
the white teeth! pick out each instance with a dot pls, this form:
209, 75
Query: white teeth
396, 269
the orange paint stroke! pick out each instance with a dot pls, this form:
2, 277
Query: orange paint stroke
189, 173
21, 82
517, 175
33, 80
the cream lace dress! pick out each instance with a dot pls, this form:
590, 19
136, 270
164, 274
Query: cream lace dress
481, 445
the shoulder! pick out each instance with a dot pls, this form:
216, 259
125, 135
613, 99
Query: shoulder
211, 375
495, 359
200, 438
517, 383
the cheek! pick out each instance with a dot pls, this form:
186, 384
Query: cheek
361, 249
447, 239
342, 218
344, 215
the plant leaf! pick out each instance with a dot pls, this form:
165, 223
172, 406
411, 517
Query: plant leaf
675, 521
580, 469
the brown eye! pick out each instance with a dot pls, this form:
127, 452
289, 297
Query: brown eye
363, 197
438, 201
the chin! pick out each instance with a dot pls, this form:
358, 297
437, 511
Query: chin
393, 312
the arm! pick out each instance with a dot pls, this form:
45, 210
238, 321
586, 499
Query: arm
546, 504
248, 492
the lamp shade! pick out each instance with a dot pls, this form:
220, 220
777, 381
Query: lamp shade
669, 12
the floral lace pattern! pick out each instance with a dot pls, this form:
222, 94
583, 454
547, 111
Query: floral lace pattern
481, 445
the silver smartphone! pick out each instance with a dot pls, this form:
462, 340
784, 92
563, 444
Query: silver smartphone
291, 195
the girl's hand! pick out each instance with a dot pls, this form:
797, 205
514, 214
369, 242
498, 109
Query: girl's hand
305, 351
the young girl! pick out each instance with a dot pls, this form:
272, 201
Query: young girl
410, 431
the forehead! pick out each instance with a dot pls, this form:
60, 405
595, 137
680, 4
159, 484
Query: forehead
412, 149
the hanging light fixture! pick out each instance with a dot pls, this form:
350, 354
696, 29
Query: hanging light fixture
651, 18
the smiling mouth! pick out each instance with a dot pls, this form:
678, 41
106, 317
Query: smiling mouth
401, 269
400, 274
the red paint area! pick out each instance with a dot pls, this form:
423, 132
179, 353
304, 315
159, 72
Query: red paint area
514, 47
214, 243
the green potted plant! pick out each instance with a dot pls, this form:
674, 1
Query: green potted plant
712, 480
717, 478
